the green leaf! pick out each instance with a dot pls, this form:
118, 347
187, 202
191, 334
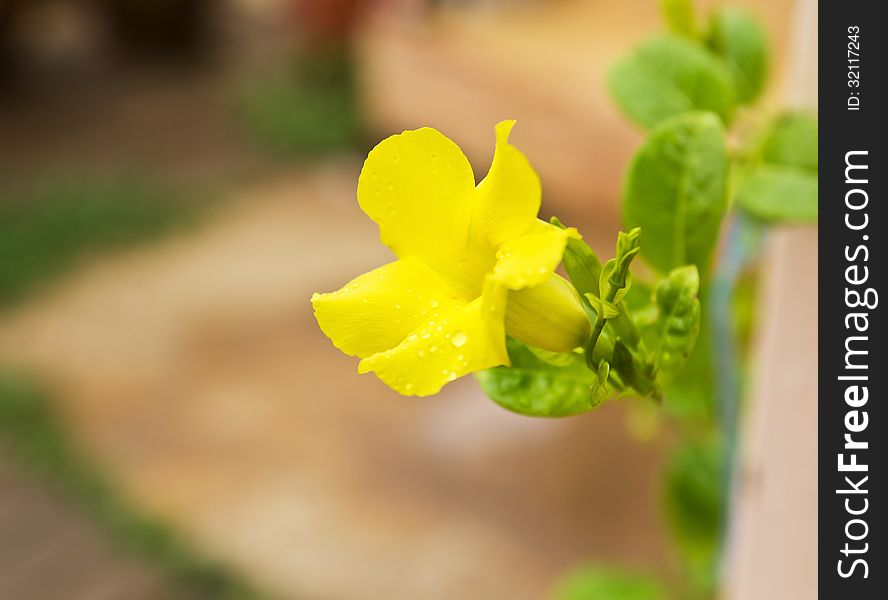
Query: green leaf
736, 36
669, 75
633, 371
613, 283
608, 583
776, 193
792, 141
676, 191
782, 184
639, 297
556, 359
679, 16
679, 320
690, 397
614, 279
581, 263
533, 387
603, 307
693, 501
584, 270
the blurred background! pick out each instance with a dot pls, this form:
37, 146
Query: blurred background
176, 178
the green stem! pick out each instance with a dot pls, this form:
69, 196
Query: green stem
598, 326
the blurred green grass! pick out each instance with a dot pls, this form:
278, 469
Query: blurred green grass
55, 225
306, 110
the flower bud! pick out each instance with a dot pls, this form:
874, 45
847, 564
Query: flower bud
548, 316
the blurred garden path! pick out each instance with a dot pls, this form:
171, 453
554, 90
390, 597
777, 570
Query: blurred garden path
43, 534
195, 374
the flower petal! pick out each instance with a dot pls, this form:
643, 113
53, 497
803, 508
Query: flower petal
468, 338
377, 310
418, 187
528, 260
508, 199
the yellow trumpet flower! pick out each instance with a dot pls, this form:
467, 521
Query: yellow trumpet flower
474, 264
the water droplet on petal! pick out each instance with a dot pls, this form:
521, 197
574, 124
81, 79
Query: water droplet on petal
459, 339
434, 303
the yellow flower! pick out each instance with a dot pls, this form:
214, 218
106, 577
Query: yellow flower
474, 263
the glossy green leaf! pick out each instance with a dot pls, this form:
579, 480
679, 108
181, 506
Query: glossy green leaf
556, 359
676, 191
608, 583
739, 39
679, 320
669, 75
533, 387
679, 16
777, 193
792, 141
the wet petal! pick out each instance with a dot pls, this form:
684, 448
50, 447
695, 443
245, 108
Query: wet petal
508, 200
466, 339
377, 310
418, 187
528, 260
